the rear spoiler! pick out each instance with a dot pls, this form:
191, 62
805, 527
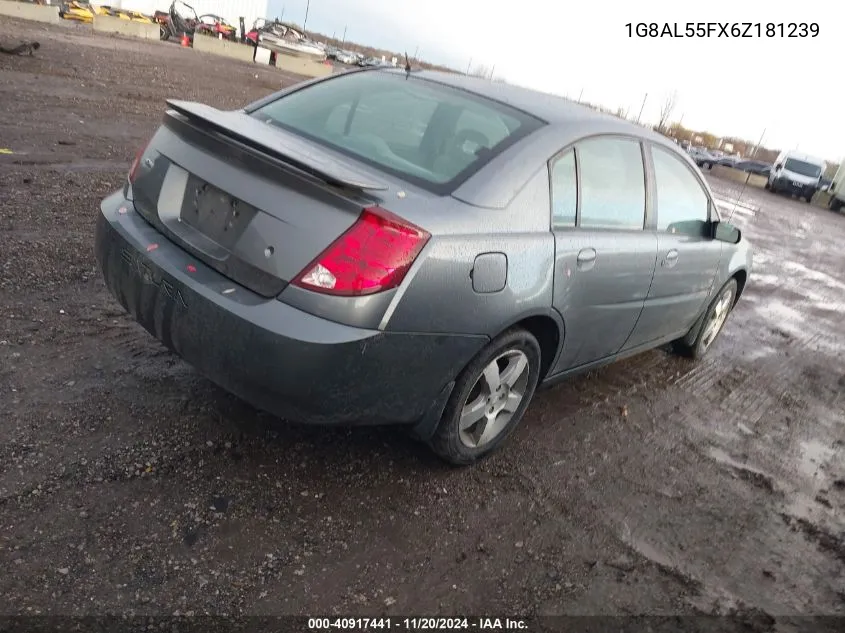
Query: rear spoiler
278, 144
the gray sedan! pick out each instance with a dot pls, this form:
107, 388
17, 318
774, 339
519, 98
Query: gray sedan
417, 248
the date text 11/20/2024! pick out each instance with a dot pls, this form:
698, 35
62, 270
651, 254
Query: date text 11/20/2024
417, 624
723, 29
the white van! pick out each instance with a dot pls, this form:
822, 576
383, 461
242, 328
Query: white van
796, 173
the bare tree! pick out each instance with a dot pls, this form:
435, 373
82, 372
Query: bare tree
666, 111
480, 70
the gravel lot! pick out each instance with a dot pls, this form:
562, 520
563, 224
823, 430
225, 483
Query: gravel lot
128, 484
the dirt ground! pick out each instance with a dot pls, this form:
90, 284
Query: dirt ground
128, 484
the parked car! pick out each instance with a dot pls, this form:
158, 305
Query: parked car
753, 166
345, 57
703, 157
389, 247
367, 62
727, 160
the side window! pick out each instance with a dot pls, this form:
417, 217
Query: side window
564, 190
612, 183
682, 203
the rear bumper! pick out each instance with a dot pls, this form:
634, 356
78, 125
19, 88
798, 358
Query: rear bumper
276, 357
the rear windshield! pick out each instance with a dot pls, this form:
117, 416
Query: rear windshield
800, 167
427, 133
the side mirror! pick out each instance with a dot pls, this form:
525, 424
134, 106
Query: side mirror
724, 232
778, 167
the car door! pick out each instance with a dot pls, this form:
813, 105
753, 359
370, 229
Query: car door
688, 257
604, 258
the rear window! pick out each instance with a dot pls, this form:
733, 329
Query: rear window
430, 134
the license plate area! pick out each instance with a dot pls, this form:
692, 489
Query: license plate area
214, 213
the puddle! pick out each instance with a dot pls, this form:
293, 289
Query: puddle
814, 275
648, 551
741, 207
754, 476
762, 351
767, 280
814, 457
783, 316
805, 506
758, 258
723, 457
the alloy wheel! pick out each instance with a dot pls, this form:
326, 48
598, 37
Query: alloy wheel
717, 318
494, 398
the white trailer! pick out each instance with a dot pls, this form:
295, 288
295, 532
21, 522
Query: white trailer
837, 189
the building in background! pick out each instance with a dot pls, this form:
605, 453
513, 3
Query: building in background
229, 10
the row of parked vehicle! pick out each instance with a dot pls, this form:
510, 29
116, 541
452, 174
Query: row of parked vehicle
707, 158
795, 173
351, 58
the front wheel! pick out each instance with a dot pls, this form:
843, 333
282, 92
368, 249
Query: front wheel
489, 399
712, 323
834, 204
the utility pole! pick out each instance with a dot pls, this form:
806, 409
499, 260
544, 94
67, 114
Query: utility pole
580, 94
642, 107
344, 36
492, 70
416, 51
756, 147
469, 64
307, 7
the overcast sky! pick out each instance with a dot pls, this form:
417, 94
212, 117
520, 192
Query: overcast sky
730, 86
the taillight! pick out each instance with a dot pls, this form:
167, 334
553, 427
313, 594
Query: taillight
374, 254
136, 164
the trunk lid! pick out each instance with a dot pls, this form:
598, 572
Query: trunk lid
252, 201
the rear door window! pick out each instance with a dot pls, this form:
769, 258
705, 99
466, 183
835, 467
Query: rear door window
426, 132
612, 179
682, 204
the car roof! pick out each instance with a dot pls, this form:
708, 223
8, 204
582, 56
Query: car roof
551, 108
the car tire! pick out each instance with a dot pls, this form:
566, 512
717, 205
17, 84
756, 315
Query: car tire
834, 204
704, 337
477, 407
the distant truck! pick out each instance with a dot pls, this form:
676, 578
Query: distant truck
837, 189
796, 173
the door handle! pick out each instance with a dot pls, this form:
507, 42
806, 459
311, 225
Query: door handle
586, 258
671, 258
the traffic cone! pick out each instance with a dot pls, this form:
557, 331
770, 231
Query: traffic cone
186, 41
